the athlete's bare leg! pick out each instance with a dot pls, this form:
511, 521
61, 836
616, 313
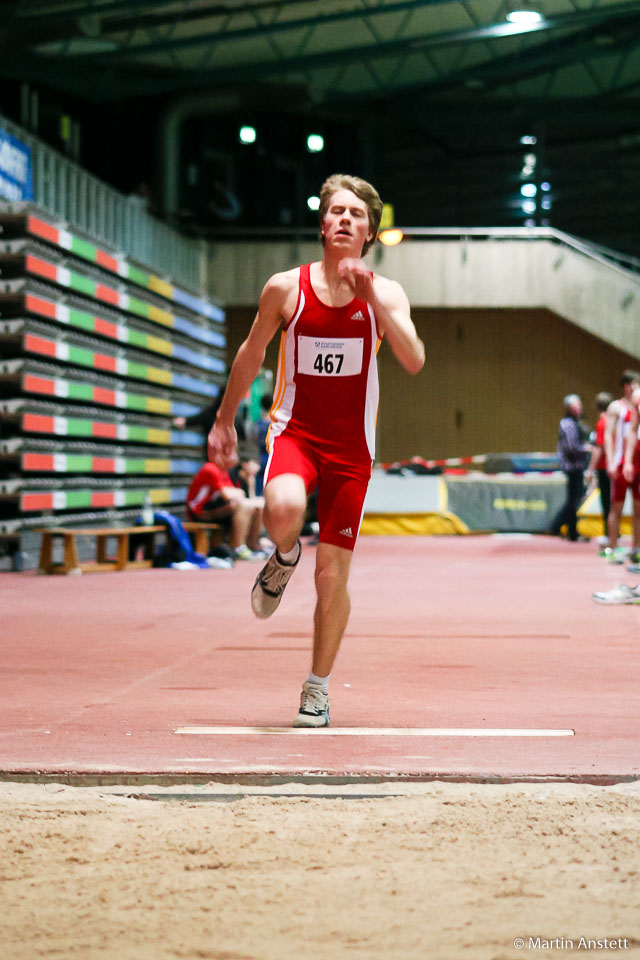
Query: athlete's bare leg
613, 523
332, 606
240, 522
256, 524
636, 524
285, 504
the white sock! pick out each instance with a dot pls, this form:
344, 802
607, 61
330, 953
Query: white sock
319, 681
291, 555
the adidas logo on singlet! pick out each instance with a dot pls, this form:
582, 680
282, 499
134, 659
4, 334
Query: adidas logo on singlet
358, 316
347, 532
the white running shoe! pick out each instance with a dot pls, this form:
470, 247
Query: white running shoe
314, 707
620, 594
270, 583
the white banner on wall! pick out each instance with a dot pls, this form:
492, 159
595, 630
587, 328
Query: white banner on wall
16, 174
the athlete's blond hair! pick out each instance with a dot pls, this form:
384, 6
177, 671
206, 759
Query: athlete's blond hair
364, 191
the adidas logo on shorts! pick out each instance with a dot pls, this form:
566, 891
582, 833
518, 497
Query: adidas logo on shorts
358, 316
347, 532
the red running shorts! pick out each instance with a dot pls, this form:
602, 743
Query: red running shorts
342, 486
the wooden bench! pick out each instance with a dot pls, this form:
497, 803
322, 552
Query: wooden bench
203, 535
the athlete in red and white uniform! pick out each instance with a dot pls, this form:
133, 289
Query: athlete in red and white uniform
332, 315
325, 407
618, 432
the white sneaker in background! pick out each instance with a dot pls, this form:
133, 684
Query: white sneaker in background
620, 594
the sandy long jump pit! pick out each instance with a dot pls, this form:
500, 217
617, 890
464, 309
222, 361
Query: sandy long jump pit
397, 871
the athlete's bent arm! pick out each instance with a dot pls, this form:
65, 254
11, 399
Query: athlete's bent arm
391, 307
222, 438
393, 313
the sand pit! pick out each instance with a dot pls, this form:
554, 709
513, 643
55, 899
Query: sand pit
445, 871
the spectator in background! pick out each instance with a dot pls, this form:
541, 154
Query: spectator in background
631, 474
598, 463
572, 454
200, 421
203, 419
261, 429
214, 498
616, 436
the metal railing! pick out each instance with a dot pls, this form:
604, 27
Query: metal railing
595, 251
68, 192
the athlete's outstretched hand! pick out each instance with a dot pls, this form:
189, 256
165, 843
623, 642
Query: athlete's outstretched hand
358, 276
222, 444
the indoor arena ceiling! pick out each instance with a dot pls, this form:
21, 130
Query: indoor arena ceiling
444, 87
373, 49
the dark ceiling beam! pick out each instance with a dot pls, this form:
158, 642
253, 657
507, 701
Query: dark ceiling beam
511, 68
493, 31
120, 18
544, 58
267, 29
158, 82
26, 13
99, 85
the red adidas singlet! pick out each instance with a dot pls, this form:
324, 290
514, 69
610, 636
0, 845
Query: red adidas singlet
327, 383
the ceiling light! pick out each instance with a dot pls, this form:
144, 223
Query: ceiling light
315, 143
247, 134
391, 238
524, 13
313, 203
528, 189
529, 206
528, 140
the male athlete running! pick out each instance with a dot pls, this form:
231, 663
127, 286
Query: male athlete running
332, 315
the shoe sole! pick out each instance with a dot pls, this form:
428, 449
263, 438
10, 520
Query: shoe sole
312, 722
258, 597
617, 603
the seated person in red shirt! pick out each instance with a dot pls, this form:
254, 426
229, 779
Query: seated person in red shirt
212, 497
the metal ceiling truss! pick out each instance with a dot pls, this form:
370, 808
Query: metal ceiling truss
157, 50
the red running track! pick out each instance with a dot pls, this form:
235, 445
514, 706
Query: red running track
464, 634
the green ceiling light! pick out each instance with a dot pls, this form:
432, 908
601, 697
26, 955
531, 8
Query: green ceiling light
247, 134
315, 143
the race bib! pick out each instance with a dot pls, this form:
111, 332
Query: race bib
330, 358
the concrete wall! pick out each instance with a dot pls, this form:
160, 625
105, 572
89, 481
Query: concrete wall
598, 298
